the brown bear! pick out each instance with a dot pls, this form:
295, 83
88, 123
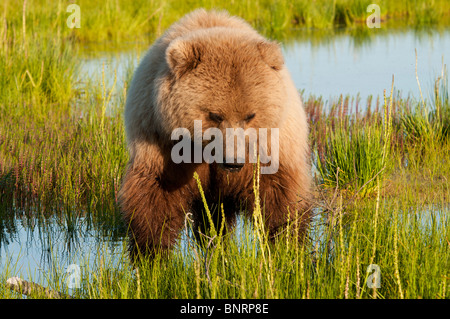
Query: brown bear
214, 68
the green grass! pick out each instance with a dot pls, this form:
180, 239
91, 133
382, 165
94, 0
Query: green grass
119, 20
402, 226
62, 153
408, 243
355, 153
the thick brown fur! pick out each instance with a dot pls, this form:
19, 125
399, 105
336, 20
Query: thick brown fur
209, 62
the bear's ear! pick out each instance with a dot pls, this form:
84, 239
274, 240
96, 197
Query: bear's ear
182, 56
271, 54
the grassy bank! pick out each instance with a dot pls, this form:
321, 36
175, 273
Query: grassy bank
382, 191
119, 20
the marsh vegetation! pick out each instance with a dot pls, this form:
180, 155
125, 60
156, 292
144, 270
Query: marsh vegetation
381, 166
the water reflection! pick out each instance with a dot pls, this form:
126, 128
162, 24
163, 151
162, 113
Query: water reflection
331, 62
364, 63
38, 249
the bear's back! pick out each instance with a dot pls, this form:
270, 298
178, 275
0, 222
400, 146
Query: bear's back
202, 19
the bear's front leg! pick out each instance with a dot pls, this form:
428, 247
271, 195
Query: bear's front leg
153, 213
285, 197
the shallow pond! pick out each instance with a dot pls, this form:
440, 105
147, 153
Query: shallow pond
328, 65
321, 65
343, 65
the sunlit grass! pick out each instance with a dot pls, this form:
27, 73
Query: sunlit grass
120, 20
63, 153
407, 242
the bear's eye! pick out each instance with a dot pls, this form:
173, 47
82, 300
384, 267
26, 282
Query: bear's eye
215, 117
249, 117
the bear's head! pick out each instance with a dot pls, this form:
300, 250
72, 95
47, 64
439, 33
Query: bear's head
227, 79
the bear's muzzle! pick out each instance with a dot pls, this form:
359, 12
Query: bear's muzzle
231, 167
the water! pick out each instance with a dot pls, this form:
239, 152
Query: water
335, 64
321, 65
42, 250
342, 65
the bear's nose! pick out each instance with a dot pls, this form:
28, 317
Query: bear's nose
232, 167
